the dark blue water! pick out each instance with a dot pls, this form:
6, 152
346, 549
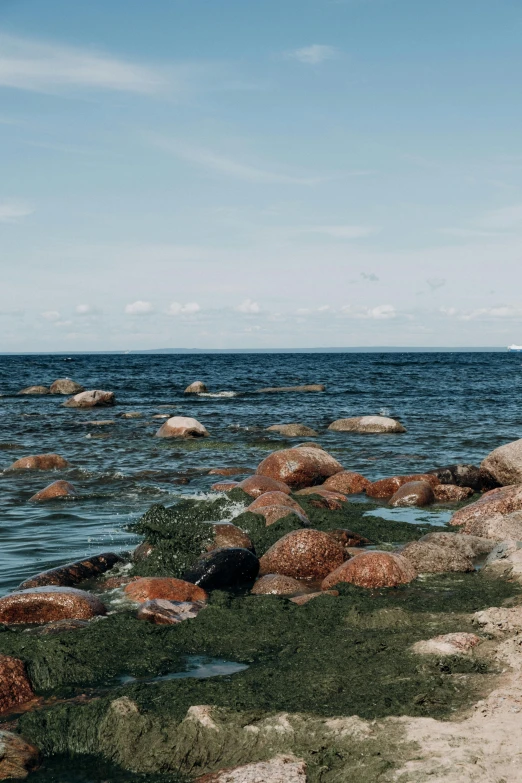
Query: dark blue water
456, 408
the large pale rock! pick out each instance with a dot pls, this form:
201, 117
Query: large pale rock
370, 424
467, 545
74, 573
303, 554
47, 604
90, 399
293, 430
498, 527
428, 558
198, 387
311, 387
347, 482
413, 493
182, 427
386, 487
300, 467
168, 588
505, 463
372, 569
258, 485
40, 462
277, 584
17, 757
280, 769
66, 386
58, 489
35, 390
503, 500
15, 687
459, 643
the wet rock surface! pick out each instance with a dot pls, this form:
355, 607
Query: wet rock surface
372, 569
40, 462
168, 588
182, 427
347, 482
66, 386
303, 554
367, 424
46, 604
58, 489
91, 399
74, 573
17, 757
299, 467
223, 568
258, 485
479, 479
161, 611
387, 487
505, 463
15, 687
502, 501
413, 493
35, 390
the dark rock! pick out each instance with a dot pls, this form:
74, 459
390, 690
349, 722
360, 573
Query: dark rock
479, 479
142, 551
73, 573
223, 568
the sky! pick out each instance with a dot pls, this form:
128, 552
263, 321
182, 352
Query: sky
260, 174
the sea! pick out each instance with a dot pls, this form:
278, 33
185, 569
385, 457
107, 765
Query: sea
456, 407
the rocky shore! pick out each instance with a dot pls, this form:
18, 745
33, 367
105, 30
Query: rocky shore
281, 628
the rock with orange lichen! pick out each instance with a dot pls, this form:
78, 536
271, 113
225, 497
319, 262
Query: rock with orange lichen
386, 487
500, 501
300, 467
168, 588
347, 482
258, 485
40, 462
372, 569
303, 554
47, 604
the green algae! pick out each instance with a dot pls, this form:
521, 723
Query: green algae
93, 769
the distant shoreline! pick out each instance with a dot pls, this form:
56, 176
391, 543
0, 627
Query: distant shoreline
188, 351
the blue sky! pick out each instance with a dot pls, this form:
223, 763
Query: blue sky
260, 173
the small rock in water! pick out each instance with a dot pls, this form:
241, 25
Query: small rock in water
35, 390
278, 584
58, 489
168, 588
40, 462
222, 568
17, 757
293, 430
161, 416
348, 482
100, 423
66, 386
46, 604
91, 399
182, 427
451, 493
132, 415
162, 612
74, 573
234, 471
300, 467
303, 554
14, 684
429, 558
372, 569
280, 769
367, 424
413, 493
274, 499
229, 536
447, 644
198, 387
258, 485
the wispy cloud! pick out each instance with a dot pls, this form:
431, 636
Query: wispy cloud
28, 64
378, 313
190, 308
483, 313
248, 306
313, 54
139, 308
13, 211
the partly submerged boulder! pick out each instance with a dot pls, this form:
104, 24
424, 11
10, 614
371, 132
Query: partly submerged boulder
299, 467
413, 493
35, 390
311, 387
74, 573
501, 501
479, 479
369, 424
293, 430
198, 387
303, 554
386, 487
66, 386
258, 485
46, 604
40, 462
91, 399
182, 427
347, 482
58, 489
451, 493
505, 463
372, 569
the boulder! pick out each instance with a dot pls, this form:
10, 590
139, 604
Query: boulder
386, 487
274, 499
258, 485
17, 757
15, 687
142, 551
168, 588
479, 479
58, 489
413, 493
280, 769
459, 643
224, 486
275, 513
311, 387
132, 415
299, 468
451, 493
369, 424
347, 482
66, 386
277, 584
223, 568
503, 500
229, 536
293, 430
182, 427
467, 545
347, 539
428, 558
47, 604
198, 387
324, 498
162, 612
35, 390
372, 569
303, 554
91, 399
505, 463
40, 462
74, 573
309, 445
497, 527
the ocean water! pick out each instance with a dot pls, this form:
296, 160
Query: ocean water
456, 408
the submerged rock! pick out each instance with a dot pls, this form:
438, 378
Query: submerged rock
278, 584
299, 467
58, 489
505, 463
232, 471
311, 387
413, 493
66, 386
293, 430
280, 769
91, 399
35, 390
17, 757
223, 568
163, 612
501, 501
15, 687
347, 482
367, 424
258, 485
168, 588
198, 387
386, 487
182, 427
451, 493
224, 486
429, 558
45, 604
372, 569
459, 643
74, 573
132, 415
479, 479
303, 554
40, 462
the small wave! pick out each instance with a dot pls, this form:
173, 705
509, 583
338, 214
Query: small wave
384, 411
218, 394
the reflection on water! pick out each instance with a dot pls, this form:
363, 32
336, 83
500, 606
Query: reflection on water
199, 668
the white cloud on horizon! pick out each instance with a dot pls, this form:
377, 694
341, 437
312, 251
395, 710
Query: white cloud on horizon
83, 309
248, 306
139, 308
190, 308
51, 315
13, 211
313, 54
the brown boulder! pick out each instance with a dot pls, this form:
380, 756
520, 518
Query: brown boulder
367, 424
503, 500
372, 569
58, 489
17, 757
280, 769
347, 538
428, 558
386, 487
413, 493
162, 612
40, 462
324, 498
90, 399
450, 493
277, 584
348, 482
275, 513
258, 485
35, 390
182, 427
300, 467
14, 684
303, 554
229, 536
46, 604
224, 486
198, 387
168, 588
66, 386
293, 430
505, 463
274, 499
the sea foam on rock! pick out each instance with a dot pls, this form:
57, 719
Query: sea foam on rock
505, 463
182, 427
299, 467
91, 399
369, 424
